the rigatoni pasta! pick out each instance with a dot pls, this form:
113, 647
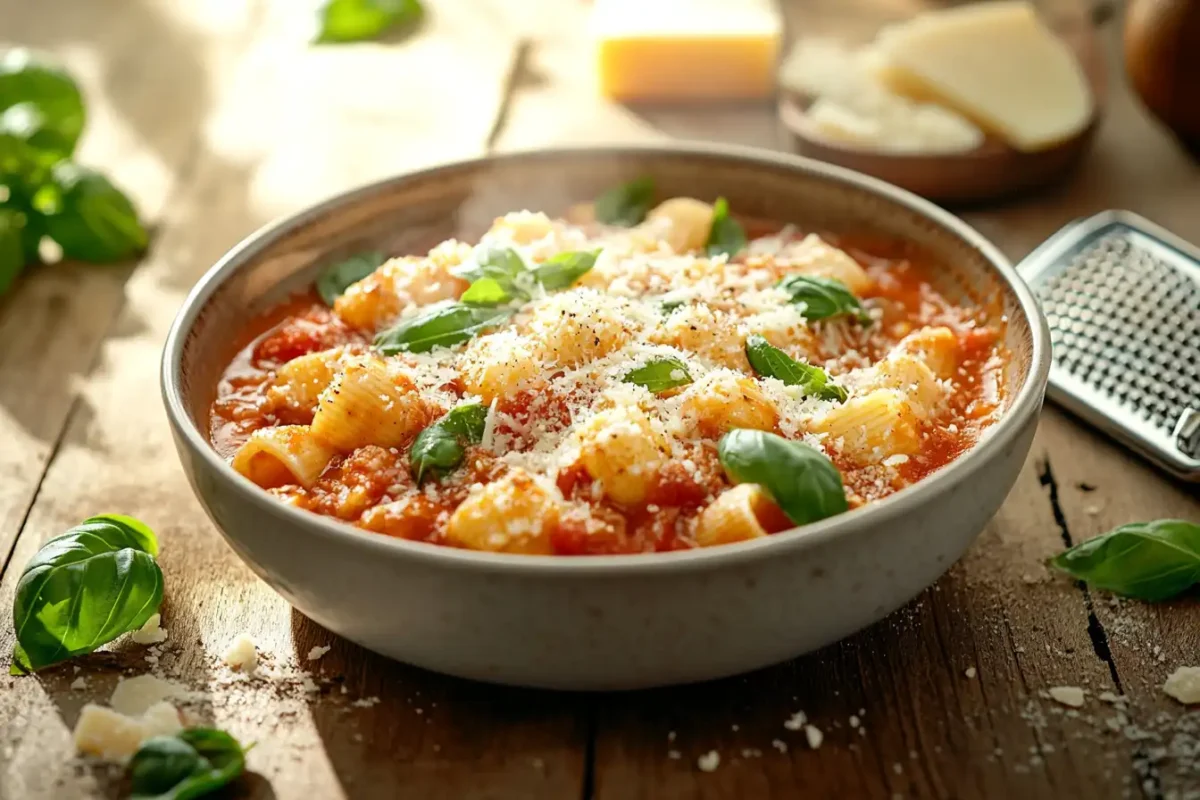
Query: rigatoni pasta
646, 376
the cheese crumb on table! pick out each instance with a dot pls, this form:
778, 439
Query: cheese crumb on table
796, 721
814, 736
1184, 685
107, 734
134, 696
709, 761
151, 632
971, 673
317, 652
1067, 695
242, 655
79, 684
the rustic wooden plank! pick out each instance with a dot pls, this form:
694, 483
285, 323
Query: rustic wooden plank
288, 124
930, 731
54, 320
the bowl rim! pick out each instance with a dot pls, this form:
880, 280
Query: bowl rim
1026, 405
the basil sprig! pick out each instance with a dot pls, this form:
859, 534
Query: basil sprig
1152, 561
193, 763
85, 588
801, 480
442, 445
824, 298
626, 205
440, 327
660, 375
337, 278
726, 236
41, 118
771, 362
499, 275
355, 20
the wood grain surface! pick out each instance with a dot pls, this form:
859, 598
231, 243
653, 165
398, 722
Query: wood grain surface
244, 121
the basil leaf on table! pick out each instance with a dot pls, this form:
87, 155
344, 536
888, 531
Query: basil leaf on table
564, 269
193, 763
39, 104
91, 219
771, 362
85, 588
824, 298
1151, 561
726, 236
12, 248
442, 445
660, 375
337, 278
800, 479
356, 20
626, 205
441, 327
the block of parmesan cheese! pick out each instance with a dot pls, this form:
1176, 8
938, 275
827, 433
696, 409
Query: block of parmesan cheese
664, 50
995, 63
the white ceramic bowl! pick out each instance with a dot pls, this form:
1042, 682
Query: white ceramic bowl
600, 622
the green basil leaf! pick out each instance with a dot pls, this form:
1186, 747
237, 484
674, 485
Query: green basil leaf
801, 480
85, 588
726, 236
660, 375
1148, 560
356, 20
89, 217
441, 327
564, 269
771, 362
503, 272
626, 205
486, 292
193, 763
40, 104
337, 278
667, 307
12, 249
442, 445
823, 298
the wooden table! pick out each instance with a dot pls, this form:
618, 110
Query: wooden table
218, 117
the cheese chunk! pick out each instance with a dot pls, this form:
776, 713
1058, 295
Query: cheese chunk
109, 735
995, 63
242, 655
686, 49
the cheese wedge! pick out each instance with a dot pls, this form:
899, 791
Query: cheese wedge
995, 63
665, 50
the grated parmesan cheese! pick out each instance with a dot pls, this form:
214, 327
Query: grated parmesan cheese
242, 656
1184, 685
150, 633
709, 761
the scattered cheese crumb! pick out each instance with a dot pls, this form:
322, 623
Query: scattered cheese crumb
1067, 695
367, 702
814, 736
134, 696
107, 734
150, 633
971, 673
1184, 685
317, 652
853, 721
242, 655
795, 722
674, 755
709, 761
779, 745
79, 684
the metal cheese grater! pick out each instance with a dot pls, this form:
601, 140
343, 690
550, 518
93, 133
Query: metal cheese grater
1122, 297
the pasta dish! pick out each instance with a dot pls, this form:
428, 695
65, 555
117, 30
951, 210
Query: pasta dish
636, 376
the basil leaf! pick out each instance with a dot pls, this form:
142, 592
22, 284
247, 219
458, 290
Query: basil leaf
669, 306
193, 763
337, 278
626, 205
801, 480
12, 250
85, 588
771, 362
726, 236
356, 20
1148, 560
89, 217
564, 269
660, 375
823, 298
442, 327
486, 292
40, 104
505, 271
442, 445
